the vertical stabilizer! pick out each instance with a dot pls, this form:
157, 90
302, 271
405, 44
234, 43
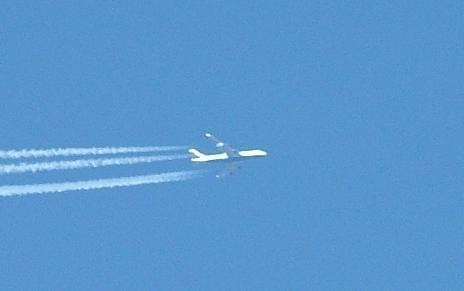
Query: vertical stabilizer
196, 153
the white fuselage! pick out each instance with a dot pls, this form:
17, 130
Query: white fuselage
241, 155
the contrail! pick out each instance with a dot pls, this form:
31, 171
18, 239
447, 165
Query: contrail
37, 153
87, 163
12, 190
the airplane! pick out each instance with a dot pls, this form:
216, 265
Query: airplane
228, 154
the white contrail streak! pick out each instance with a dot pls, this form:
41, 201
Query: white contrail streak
37, 153
87, 163
13, 190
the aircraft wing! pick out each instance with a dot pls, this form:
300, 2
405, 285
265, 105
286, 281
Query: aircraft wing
223, 146
229, 170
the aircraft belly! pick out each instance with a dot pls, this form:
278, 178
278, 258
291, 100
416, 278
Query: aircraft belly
218, 157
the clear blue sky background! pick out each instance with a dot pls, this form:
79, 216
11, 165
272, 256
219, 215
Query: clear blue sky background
359, 104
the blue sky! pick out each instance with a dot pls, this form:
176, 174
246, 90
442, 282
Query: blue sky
359, 104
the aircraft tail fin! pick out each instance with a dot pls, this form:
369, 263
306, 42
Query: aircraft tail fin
196, 153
